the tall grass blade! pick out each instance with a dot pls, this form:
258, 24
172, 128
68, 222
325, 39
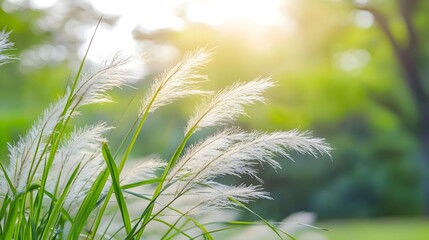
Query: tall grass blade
11, 217
114, 173
88, 205
9, 182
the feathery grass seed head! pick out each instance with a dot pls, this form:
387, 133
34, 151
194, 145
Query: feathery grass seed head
111, 73
5, 45
177, 82
25, 155
141, 169
217, 196
82, 147
234, 152
226, 105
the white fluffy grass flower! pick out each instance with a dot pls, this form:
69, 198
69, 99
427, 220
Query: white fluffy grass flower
5, 45
82, 147
217, 196
112, 72
226, 105
141, 169
234, 152
177, 82
26, 156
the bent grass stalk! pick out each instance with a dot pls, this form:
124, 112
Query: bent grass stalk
59, 185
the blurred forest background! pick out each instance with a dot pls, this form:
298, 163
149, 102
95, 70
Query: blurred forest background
353, 72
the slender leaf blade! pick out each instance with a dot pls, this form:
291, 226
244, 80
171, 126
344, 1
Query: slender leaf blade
114, 173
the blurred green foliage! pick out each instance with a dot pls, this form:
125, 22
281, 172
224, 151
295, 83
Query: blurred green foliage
25, 91
365, 111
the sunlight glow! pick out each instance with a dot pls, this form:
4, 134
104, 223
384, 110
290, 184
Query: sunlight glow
364, 19
249, 17
153, 15
149, 15
216, 12
352, 60
41, 4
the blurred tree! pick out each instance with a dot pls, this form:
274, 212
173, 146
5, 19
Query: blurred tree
16, 107
412, 59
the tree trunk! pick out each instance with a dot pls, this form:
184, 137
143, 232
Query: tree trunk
407, 59
424, 138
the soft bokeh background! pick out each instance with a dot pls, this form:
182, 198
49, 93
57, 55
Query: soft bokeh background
353, 72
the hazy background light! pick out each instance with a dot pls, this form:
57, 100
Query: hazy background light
221, 11
41, 4
361, 1
364, 19
150, 15
249, 17
352, 60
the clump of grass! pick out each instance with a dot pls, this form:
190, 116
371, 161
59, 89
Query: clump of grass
70, 186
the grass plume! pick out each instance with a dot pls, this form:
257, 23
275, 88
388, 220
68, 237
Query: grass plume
58, 183
5, 45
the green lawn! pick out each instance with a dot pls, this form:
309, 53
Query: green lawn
378, 229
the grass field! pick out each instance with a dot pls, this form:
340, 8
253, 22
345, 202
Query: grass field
374, 229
